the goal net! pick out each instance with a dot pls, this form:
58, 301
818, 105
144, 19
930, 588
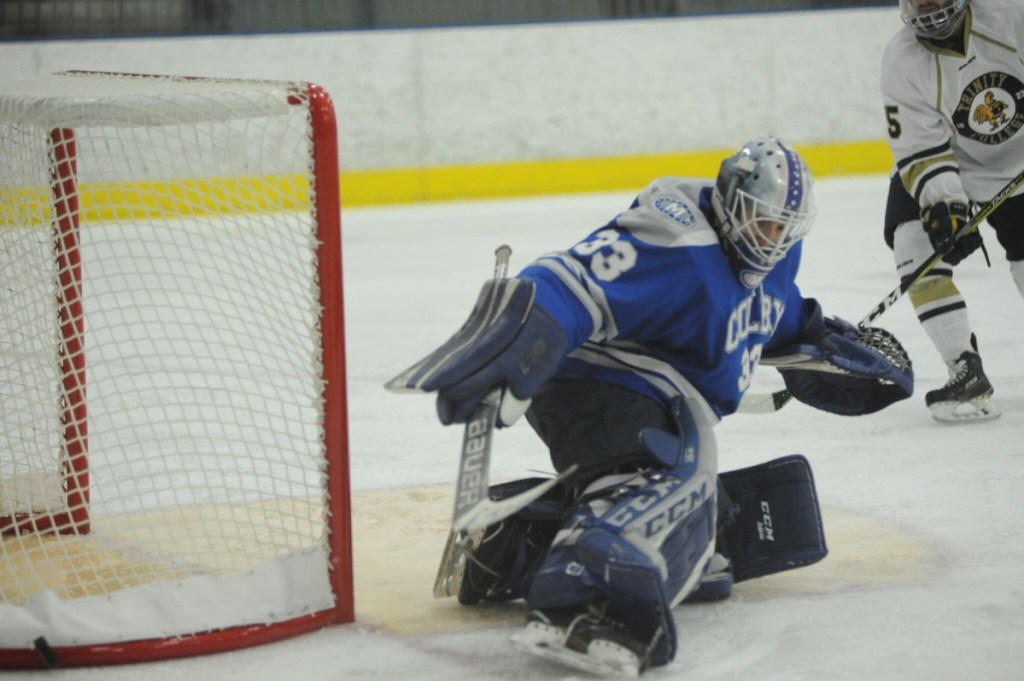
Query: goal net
173, 443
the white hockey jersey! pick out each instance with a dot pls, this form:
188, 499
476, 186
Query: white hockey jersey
955, 117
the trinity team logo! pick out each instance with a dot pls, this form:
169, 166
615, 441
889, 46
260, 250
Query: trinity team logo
991, 108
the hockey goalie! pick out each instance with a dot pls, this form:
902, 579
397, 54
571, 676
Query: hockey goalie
623, 352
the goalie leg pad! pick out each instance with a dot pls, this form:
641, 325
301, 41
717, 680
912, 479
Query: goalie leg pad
640, 554
778, 524
639, 543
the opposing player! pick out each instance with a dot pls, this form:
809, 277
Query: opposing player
953, 90
627, 348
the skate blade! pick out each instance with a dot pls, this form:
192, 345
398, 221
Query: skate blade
603, 658
976, 410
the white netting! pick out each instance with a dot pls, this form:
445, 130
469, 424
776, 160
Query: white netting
202, 359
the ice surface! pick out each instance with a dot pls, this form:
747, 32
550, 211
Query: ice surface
923, 520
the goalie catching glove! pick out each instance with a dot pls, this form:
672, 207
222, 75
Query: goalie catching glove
841, 369
507, 342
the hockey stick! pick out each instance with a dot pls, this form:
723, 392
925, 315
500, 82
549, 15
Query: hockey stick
474, 508
765, 403
926, 267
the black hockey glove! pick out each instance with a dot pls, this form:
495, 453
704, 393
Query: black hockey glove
943, 222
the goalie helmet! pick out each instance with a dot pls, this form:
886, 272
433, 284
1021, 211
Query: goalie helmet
936, 19
763, 205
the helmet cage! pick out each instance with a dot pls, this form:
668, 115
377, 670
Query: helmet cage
938, 23
763, 233
764, 205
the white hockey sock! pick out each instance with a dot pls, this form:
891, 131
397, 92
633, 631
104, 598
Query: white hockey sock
1017, 270
950, 330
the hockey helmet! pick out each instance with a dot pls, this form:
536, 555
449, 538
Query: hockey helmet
763, 204
932, 18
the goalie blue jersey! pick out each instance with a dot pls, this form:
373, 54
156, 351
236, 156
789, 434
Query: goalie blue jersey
649, 302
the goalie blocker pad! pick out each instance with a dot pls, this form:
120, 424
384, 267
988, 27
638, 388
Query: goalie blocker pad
506, 341
775, 521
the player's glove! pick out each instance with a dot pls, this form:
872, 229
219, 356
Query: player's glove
943, 222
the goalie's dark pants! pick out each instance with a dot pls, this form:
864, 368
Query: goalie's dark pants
596, 426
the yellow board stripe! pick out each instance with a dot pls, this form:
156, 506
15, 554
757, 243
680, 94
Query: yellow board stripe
230, 196
537, 178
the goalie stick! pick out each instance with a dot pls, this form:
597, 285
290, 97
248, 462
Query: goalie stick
474, 508
765, 403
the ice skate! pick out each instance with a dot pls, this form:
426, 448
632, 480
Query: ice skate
452, 569
470, 565
584, 638
488, 564
966, 396
486, 555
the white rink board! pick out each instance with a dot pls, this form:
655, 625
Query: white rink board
483, 95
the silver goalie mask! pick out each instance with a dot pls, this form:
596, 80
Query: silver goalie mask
932, 18
763, 204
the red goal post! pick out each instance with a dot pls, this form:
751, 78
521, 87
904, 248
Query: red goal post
173, 436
